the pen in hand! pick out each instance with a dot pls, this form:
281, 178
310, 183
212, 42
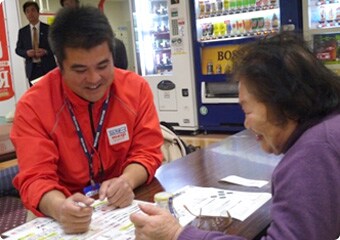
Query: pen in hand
82, 205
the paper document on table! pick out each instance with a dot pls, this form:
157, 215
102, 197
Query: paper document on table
106, 224
244, 181
216, 202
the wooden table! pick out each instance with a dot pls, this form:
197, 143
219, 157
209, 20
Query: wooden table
239, 155
7, 151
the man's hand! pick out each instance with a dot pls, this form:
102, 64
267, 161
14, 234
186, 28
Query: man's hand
117, 191
73, 213
40, 52
30, 53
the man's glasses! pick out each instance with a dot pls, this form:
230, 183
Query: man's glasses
211, 223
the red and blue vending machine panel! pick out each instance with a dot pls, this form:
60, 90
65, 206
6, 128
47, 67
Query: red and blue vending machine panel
220, 27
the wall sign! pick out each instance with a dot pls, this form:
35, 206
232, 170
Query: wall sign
6, 87
218, 59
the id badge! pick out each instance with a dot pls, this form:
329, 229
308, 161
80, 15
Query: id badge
91, 190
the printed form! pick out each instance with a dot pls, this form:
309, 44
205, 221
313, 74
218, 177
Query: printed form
116, 224
106, 224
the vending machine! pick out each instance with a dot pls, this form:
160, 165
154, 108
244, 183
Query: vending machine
220, 28
321, 20
164, 57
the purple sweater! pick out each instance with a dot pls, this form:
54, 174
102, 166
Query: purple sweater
305, 188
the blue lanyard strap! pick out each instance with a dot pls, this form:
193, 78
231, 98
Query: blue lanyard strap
97, 136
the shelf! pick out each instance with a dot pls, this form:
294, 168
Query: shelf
239, 36
162, 49
166, 33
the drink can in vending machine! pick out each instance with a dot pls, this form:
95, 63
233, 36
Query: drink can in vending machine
233, 28
223, 29
228, 27
247, 25
204, 28
210, 28
254, 24
216, 30
260, 23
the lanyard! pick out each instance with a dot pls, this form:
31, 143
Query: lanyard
96, 139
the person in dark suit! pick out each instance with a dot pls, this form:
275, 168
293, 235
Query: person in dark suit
69, 3
38, 55
120, 59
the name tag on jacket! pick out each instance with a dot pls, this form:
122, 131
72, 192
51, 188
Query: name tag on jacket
118, 134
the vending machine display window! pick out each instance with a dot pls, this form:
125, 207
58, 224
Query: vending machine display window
220, 20
321, 30
221, 28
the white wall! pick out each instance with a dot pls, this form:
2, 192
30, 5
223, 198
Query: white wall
118, 13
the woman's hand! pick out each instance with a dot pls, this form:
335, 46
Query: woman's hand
155, 223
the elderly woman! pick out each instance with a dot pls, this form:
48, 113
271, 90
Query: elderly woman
292, 103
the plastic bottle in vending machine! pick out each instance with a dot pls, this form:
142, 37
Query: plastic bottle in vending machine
273, 2
275, 21
226, 5
252, 4
246, 4
265, 3
233, 5
201, 8
219, 4
239, 5
330, 16
210, 67
258, 3
218, 69
213, 8
207, 7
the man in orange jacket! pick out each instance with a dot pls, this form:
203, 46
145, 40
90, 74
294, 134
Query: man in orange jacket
85, 128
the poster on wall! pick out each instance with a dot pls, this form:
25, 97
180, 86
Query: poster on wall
6, 87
